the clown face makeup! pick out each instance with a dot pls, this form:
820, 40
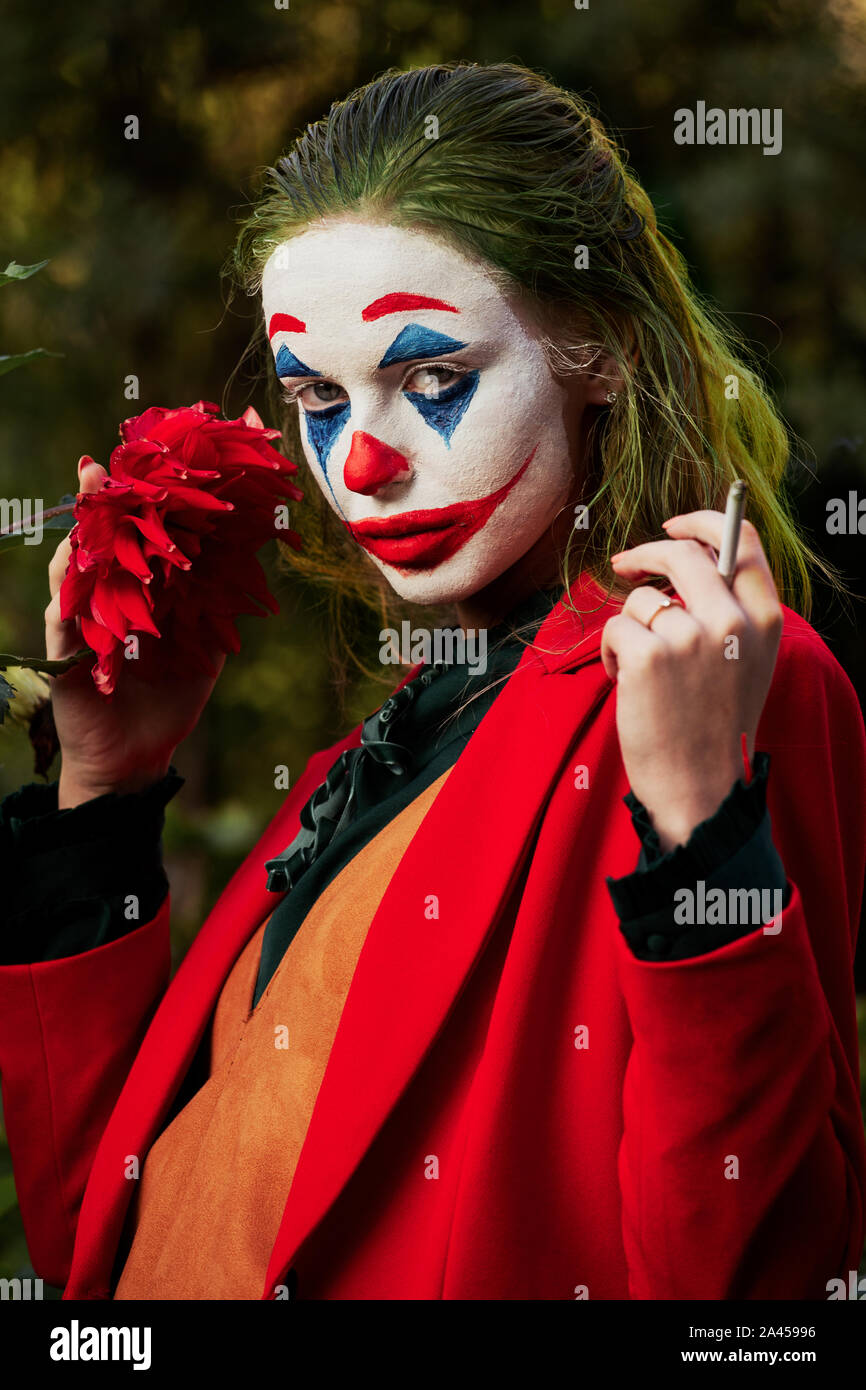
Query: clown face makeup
428, 412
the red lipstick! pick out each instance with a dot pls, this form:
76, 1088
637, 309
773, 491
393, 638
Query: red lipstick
420, 540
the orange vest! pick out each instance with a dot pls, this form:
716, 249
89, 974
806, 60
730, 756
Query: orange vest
214, 1185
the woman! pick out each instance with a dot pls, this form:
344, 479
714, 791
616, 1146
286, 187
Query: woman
440, 1037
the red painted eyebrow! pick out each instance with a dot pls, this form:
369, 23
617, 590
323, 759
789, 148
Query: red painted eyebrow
285, 323
395, 303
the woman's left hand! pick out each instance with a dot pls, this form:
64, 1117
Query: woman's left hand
693, 683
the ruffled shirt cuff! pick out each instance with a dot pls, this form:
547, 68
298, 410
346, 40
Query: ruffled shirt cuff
664, 905
81, 877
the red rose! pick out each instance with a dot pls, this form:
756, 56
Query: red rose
167, 545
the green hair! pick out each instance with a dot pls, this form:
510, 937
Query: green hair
515, 171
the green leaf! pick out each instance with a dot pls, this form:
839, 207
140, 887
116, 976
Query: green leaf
14, 271
10, 361
54, 519
7, 695
39, 663
33, 663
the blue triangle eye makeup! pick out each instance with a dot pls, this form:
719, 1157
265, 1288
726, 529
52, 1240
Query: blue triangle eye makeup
323, 426
287, 364
444, 411
417, 341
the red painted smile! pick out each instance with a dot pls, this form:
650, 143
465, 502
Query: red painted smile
414, 541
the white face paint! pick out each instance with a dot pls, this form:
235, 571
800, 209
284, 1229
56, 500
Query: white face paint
429, 415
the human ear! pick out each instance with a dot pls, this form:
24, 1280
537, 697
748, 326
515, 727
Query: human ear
604, 372
602, 378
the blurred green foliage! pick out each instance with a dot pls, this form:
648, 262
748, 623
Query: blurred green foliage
135, 232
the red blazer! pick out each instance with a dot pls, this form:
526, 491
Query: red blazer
563, 1171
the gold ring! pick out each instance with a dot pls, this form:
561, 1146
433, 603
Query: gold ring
665, 603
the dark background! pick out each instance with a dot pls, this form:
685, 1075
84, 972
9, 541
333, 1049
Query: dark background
136, 233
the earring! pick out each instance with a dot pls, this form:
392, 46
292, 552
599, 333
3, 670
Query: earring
610, 397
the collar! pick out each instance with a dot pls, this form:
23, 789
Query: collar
571, 633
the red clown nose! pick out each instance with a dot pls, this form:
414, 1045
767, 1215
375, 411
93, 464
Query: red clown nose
371, 464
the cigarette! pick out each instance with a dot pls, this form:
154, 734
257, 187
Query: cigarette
734, 512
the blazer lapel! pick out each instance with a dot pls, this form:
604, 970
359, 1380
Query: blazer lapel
406, 981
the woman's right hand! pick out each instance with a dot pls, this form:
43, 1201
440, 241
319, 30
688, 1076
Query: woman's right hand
125, 742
